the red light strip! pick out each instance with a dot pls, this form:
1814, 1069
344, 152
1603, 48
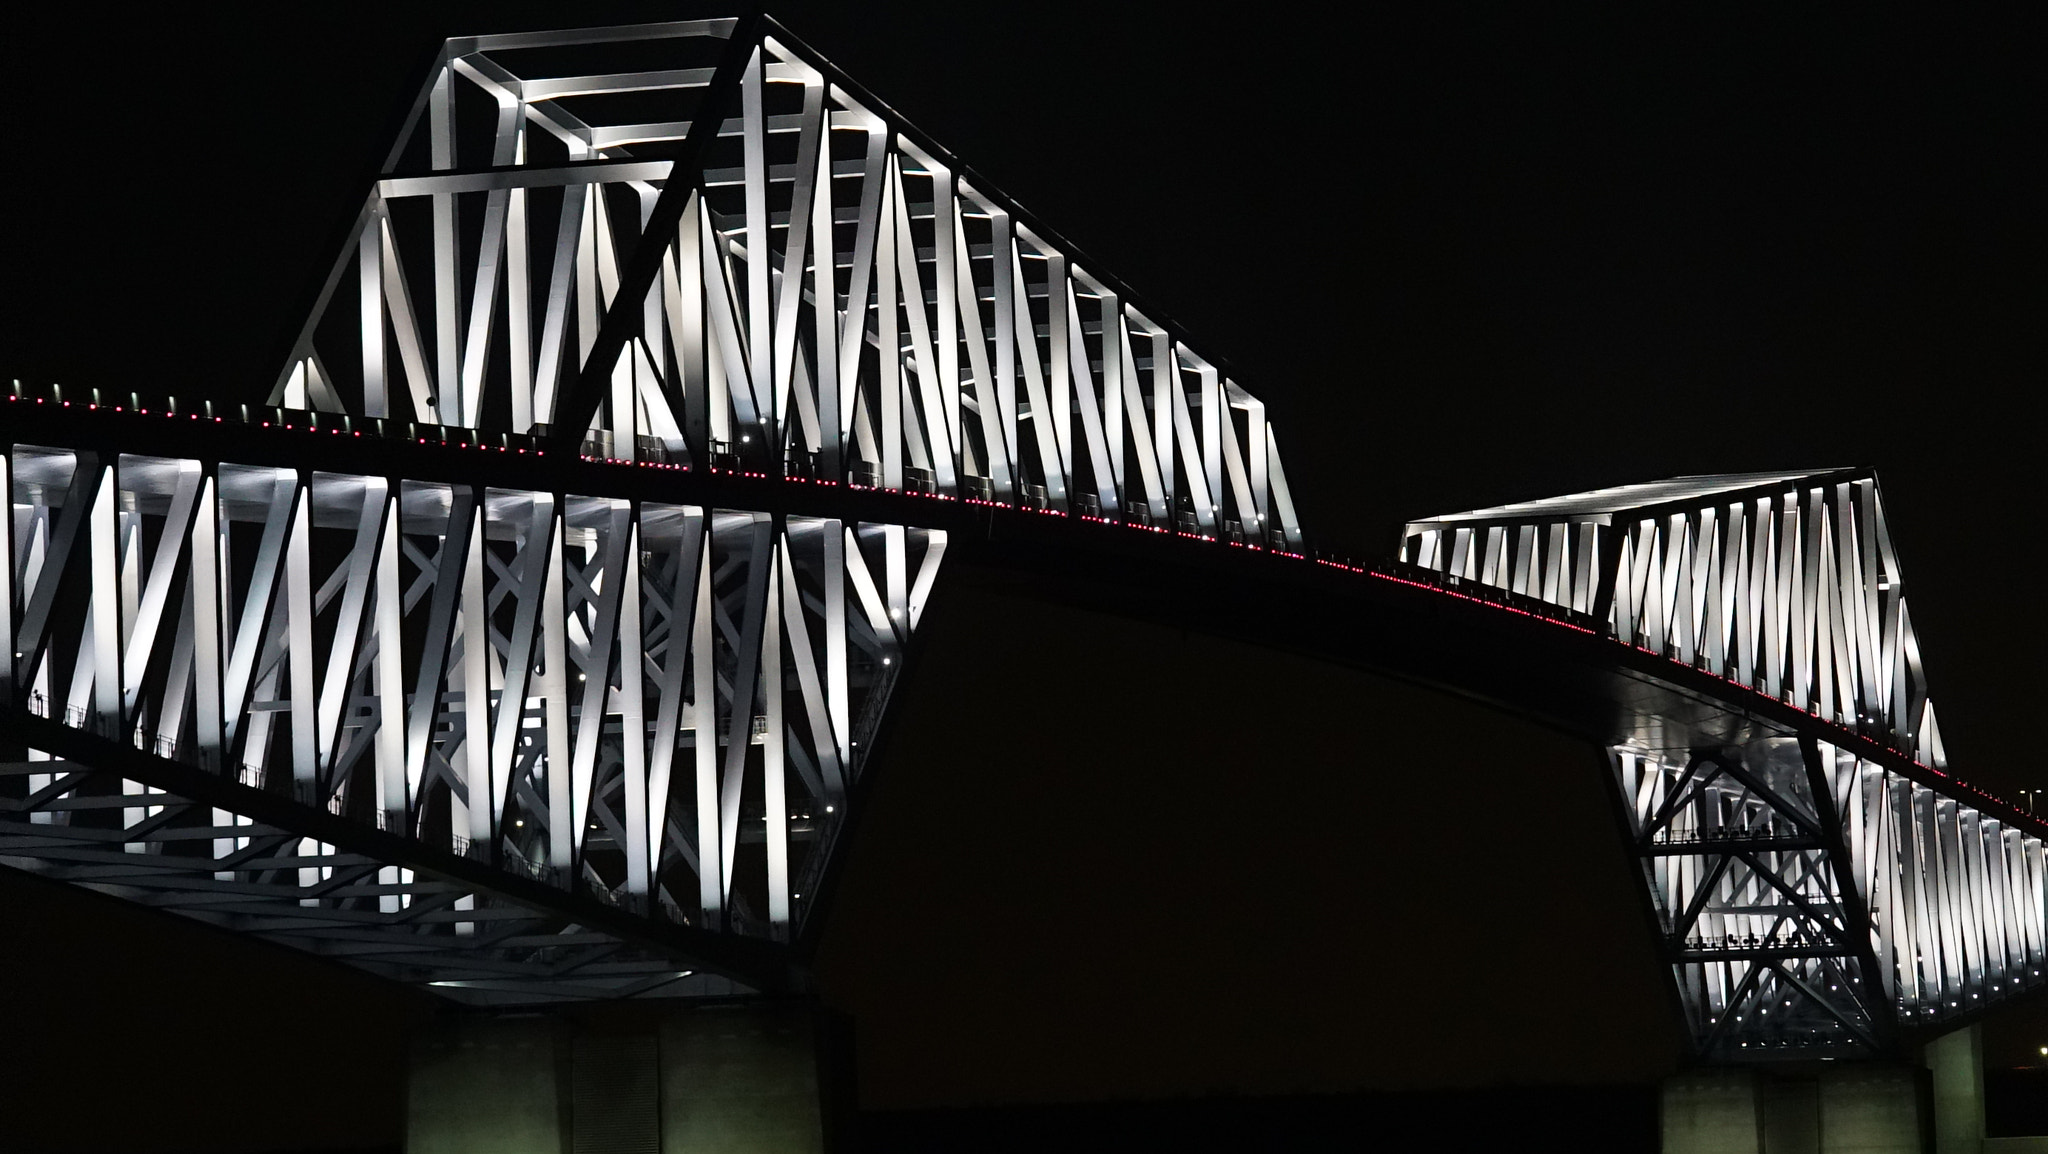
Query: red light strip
1349, 568
1472, 599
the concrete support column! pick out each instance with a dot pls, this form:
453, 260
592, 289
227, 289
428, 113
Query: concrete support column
624, 1078
1873, 1108
1791, 1115
1714, 1111
1957, 1064
1840, 1108
495, 1085
740, 1080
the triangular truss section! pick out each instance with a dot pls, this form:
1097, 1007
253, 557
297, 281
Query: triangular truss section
1786, 583
697, 244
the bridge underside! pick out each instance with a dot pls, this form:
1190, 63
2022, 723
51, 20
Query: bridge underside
211, 861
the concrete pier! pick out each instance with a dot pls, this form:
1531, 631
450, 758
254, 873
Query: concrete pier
1874, 1108
621, 1079
1957, 1064
1713, 1112
1936, 1107
484, 1085
1841, 1108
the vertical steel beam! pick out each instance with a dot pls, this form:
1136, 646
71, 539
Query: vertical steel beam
597, 668
165, 566
702, 719
8, 567
745, 688
774, 780
439, 638
447, 367
369, 310
554, 692
640, 853
105, 633
669, 722
394, 792
339, 680
888, 339
536, 550
475, 632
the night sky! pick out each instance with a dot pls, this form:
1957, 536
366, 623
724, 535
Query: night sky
1465, 255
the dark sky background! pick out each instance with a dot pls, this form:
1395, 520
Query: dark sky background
1465, 254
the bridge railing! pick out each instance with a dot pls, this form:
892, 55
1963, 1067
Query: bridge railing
170, 406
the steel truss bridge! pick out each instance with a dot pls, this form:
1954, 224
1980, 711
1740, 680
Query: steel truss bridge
531, 642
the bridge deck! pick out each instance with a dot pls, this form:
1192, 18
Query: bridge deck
311, 865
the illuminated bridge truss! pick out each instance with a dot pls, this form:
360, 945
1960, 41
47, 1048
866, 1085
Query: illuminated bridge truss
521, 741
1817, 885
658, 706
717, 253
530, 644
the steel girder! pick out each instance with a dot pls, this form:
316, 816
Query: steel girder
600, 715
720, 254
524, 741
1814, 901
1792, 861
1785, 583
1811, 898
217, 864
659, 706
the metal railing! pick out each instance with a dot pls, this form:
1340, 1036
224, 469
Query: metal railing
169, 406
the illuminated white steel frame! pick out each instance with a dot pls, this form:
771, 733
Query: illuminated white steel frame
661, 704
823, 294
1810, 899
658, 705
